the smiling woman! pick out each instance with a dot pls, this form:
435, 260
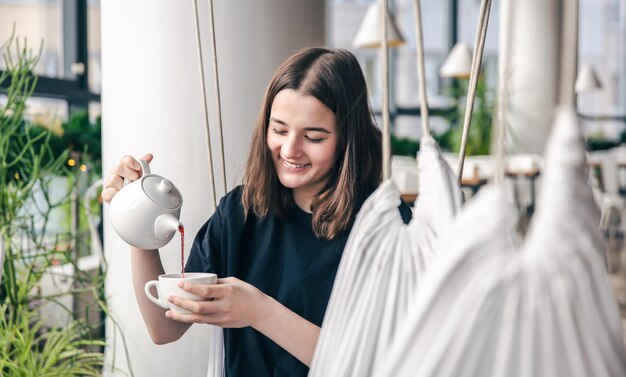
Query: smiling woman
277, 240
318, 89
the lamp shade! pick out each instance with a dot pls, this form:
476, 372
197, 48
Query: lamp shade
368, 35
458, 64
587, 79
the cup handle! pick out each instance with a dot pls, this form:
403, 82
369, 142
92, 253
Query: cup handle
145, 170
155, 300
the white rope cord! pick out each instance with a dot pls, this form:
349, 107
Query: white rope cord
385, 73
499, 130
216, 348
481, 35
205, 110
569, 53
218, 101
419, 48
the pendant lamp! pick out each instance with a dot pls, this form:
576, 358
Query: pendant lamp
458, 64
368, 35
587, 79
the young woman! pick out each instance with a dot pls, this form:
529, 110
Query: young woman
278, 238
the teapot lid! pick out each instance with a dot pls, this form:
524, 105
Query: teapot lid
162, 191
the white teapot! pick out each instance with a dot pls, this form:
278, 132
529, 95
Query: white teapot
145, 212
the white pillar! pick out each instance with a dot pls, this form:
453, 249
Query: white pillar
533, 35
151, 103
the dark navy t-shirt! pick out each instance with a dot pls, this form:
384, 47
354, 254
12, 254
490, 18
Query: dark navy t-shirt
282, 258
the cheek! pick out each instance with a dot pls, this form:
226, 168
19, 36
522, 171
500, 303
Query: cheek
327, 156
271, 143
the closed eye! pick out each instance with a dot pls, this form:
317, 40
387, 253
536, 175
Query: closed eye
278, 132
315, 140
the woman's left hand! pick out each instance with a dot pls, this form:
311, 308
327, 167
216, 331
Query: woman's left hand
235, 304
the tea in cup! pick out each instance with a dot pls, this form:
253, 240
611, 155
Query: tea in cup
167, 285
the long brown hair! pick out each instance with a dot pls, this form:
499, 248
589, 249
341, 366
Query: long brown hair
334, 77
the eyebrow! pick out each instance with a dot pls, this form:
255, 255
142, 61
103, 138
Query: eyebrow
315, 129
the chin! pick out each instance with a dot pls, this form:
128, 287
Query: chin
291, 184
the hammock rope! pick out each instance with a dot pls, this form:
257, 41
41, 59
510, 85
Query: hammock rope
569, 53
216, 342
218, 96
421, 75
205, 106
477, 56
205, 110
385, 75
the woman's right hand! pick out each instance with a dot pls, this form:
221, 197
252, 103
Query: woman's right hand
127, 168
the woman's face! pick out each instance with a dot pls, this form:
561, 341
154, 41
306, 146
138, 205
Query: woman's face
302, 137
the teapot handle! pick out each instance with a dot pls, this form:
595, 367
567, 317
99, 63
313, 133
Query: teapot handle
145, 170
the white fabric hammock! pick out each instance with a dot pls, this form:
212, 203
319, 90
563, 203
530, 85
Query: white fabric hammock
543, 310
381, 269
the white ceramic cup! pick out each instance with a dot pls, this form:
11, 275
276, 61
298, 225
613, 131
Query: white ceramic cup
167, 285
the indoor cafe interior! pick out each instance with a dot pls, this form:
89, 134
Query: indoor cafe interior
431, 188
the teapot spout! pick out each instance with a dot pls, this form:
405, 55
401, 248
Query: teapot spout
165, 226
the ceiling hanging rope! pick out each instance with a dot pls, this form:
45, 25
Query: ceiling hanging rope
385, 261
205, 107
216, 336
205, 110
385, 75
421, 75
477, 56
500, 125
569, 54
543, 309
218, 96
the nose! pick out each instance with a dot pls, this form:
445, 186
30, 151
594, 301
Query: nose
291, 148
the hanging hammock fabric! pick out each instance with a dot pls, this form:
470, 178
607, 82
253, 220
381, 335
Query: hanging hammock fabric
382, 267
545, 309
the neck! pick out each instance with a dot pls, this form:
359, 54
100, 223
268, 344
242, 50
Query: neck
303, 199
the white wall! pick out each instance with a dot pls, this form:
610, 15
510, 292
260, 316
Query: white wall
151, 103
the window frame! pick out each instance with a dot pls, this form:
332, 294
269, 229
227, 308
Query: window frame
75, 50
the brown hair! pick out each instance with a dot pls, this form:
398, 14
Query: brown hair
334, 77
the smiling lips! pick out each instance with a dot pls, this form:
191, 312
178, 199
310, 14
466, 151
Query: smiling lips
292, 165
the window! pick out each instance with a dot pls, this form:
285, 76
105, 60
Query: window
69, 30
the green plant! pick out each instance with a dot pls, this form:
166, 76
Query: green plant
404, 146
479, 136
26, 350
28, 165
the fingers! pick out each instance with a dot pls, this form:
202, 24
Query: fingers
147, 157
207, 290
196, 307
211, 319
128, 168
109, 193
